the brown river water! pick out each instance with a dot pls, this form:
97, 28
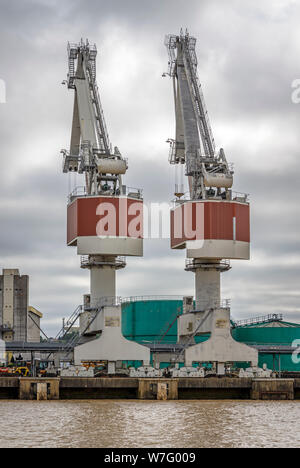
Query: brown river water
130, 424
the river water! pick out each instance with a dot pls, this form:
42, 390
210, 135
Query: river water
150, 424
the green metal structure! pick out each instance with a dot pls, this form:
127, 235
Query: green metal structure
154, 320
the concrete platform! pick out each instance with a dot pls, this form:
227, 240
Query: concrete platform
72, 388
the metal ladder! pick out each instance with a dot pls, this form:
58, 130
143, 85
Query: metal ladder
70, 345
70, 323
169, 325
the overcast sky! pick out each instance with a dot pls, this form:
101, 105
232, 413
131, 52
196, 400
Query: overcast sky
249, 55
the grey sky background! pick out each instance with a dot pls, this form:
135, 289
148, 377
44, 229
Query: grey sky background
249, 54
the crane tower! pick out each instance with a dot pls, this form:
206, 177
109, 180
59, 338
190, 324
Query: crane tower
210, 221
105, 218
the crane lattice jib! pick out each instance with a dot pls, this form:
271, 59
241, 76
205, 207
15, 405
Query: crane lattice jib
190, 64
190, 60
89, 54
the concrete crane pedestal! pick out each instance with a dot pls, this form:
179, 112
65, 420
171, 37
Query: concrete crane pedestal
221, 347
111, 345
198, 320
101, 319
207, 281
103, 277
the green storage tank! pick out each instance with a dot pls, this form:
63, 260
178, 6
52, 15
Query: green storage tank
271, 332
282, 334
154, 319
149, 319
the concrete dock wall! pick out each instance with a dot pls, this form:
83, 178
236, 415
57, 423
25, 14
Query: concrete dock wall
98, 388
38, 389
9, 388
214, 389
158, 389
155, 389
272, 389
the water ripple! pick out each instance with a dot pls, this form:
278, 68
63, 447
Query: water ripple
186, 424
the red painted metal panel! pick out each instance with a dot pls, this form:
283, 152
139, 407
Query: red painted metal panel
242, 213
219, 221
72, 221
216, 223
105, 216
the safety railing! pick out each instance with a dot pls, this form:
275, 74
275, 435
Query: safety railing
213, 304
69, 323
109, 301
192, 264
261, 319
87, 261
150, 298
233, 196
130, 192
199, 305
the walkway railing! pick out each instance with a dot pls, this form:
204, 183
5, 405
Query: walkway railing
132, 192
150, 298
87, 261
234, 196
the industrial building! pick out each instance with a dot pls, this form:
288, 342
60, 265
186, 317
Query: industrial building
18, 321
154, 321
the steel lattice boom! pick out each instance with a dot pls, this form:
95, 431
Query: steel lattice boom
194, 144
90, 149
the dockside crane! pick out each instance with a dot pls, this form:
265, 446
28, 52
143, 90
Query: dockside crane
99, 217
210, 222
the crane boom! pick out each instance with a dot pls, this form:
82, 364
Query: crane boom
194, 143
90, 149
